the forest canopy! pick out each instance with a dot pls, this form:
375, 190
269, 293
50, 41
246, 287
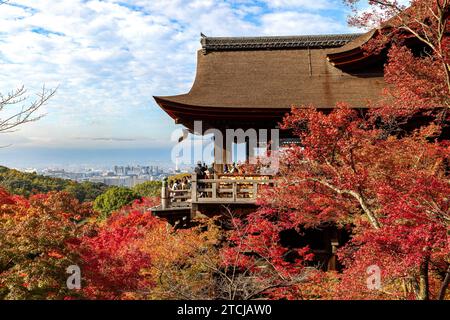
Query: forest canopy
27, 184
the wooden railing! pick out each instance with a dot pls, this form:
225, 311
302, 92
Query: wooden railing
228, 189
171, 198
223, 189
179, 198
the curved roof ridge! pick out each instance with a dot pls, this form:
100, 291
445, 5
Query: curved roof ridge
276, 42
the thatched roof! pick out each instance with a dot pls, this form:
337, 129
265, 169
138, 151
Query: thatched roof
267, 73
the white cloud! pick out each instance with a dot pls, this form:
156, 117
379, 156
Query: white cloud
309, 4
110, 57
291, 23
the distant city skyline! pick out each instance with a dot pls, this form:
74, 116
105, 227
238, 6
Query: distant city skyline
40, 158
108, 58
123, 176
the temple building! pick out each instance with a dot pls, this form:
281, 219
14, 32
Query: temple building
251, 83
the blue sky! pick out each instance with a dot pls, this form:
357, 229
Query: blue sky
108, 58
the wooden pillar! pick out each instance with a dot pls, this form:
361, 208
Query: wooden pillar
332, 263
218, 153
222, 152
247, 150
194, 196
194, 188
227, 152
334, 243
165, 198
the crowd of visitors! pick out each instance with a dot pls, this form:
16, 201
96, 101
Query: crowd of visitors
180, 184
180, 188
204, 172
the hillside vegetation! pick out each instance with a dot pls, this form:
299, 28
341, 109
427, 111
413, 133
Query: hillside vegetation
26, 184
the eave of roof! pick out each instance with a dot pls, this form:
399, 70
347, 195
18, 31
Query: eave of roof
356, 44
352, 54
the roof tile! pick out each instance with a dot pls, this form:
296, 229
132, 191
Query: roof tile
284, 42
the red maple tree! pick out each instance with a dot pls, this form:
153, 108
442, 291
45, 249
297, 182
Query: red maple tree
417, 39
393, 192
34, 237
111, 255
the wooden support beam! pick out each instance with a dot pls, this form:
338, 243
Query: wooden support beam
194, 188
